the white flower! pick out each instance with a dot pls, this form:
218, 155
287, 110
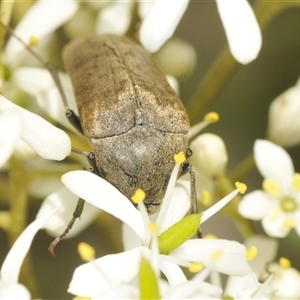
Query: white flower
278, 204
40, 20
225, 256
241, 28
47, 140
285, 280
248, 287
107, 283
284, 121
160, 24
9, 274
209, 155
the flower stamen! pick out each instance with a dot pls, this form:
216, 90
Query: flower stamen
251, 253
196, 267
284, 263
271, 187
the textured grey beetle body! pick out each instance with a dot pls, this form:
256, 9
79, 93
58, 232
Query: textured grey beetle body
132, 118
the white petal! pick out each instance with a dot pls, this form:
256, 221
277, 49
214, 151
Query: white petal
287, 284
266, 252
275, 227
66, 202
10, 130
39, 83
240, 287
219, 205
41, 19
273, 162
255, 205
232, 261
180, 204
102, 194
47, 140
284, 121
297, 219
209, 155
160, 24
92, 279
241, 28
114, 18
14, 291
12, 264
172, 272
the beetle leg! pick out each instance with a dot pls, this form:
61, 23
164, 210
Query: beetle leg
91, 159
187, 168
76, 214
80, 204
72, 117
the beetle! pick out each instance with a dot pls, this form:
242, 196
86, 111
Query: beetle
132, 118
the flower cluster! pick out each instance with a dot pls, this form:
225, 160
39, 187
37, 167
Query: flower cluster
163, 255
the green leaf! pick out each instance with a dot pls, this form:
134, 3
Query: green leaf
178, 233
148, 281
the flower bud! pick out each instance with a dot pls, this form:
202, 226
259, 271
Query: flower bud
284, 121
209, 155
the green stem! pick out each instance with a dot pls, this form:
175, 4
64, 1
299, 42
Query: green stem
18, 182
225, 65
243, 168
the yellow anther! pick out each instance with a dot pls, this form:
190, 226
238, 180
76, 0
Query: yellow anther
81, 298
206, 198
251, 253
216, 255
196, 267
211, 117
289, 223
179, 158
242, 187
153, 228
296, 182
33, 41
271, 187
138, 196
86, 251
210, 236
284, 263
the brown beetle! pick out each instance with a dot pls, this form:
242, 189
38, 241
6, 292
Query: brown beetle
131, 116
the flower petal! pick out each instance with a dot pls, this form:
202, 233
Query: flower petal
179, 204
266, 252
103, 195
233, 255
41, 19
241, 28
14, 291
284, 121
12, 264
10, 130
47, 140
255, 205
273, 162
160, 24
66, 202
114, 18
93, 278
275, 227
39, 83
172, 272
